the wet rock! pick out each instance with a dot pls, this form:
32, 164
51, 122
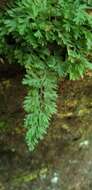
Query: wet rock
84, 144
63, 160
55, 178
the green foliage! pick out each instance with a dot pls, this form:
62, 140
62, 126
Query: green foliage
51, 39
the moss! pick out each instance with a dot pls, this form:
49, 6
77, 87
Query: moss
27, 177
3, 125
2, 186
83, 112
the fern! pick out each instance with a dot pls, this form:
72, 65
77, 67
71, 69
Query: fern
51, 39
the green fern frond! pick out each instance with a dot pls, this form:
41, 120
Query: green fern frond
50, 39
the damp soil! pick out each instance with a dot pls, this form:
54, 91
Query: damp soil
63, 160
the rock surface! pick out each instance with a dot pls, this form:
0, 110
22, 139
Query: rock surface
63, 160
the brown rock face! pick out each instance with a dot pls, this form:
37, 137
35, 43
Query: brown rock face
4, 3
